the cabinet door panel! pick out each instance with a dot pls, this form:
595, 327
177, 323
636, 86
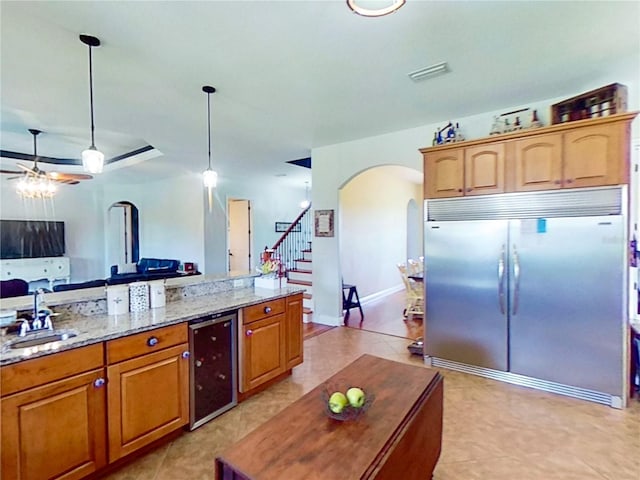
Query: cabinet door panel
484, 169
443, 174
594, 156
538, 163
55, 431
294, 343
148, 398
264, 351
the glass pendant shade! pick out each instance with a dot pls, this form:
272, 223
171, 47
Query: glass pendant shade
374, 8
210, 178
304, 204
92, 160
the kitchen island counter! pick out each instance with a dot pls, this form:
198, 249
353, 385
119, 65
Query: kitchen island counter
101, 327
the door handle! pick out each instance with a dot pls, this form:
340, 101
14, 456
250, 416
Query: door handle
501, 268
516, 276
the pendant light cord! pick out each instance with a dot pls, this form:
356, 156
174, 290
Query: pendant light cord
93, 145
209, 124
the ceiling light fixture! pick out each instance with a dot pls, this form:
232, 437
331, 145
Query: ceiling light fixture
209, 176
374, 8
92, 158
35, 183
430, 71
305, 203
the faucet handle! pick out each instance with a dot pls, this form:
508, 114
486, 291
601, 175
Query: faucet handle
48, 324
24, 327
36, 324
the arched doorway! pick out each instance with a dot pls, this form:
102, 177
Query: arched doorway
123, 242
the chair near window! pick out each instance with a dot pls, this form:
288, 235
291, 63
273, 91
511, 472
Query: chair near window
414, 294
350, 299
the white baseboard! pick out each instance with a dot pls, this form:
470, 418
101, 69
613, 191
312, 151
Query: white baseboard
381, 294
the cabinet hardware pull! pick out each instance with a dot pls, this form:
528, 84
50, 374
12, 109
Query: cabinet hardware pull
267, 309
249, 333
152, 341
469, 189
557, 182
186, 354
99, 382
569, 181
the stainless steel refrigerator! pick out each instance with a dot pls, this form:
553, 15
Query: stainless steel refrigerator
530, 288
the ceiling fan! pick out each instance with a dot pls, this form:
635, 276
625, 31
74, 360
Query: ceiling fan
35, 171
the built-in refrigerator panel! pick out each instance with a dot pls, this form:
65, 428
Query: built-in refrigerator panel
466, 317
566, 301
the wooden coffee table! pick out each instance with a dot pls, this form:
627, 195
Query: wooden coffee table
398, 437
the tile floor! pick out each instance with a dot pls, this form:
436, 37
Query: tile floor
492, 430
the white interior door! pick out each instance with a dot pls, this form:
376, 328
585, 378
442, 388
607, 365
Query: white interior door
239, 234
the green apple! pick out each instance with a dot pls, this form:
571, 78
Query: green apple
337, 402
356, 397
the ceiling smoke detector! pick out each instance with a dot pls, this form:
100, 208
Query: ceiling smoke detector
430, 71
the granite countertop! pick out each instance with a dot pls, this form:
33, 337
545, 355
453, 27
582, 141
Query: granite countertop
98, 328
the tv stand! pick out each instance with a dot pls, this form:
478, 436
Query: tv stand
32, 269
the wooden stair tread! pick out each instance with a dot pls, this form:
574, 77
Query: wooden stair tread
299, 282
307, 310
300, 270
306, 295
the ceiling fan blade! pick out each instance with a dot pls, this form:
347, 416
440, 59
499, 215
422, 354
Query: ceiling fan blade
15, 172
69, 176
66, 181
24, 167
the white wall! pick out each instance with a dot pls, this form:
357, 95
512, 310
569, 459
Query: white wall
373, 225
271, 202
335, 165
79, 207
170, 216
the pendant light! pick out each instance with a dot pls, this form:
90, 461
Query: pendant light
92, 158
209, 176
374, 8
305, 203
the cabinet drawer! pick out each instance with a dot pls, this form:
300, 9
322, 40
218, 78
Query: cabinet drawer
263, 310
146, 342
38, 371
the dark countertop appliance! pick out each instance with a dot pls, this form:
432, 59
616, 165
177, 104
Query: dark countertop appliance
213, 366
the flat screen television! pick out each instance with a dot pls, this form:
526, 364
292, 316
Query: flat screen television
31, 239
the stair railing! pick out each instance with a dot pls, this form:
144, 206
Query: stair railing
295, 240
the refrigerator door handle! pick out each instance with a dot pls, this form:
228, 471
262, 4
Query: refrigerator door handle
501, 268
516, 275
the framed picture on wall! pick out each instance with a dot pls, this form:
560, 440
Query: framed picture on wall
324, 223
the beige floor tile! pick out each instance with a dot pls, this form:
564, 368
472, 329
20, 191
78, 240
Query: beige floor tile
492, 430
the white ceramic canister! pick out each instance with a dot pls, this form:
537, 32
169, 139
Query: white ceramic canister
157, 293
138, 296
117, 299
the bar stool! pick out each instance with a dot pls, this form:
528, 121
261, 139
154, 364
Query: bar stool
350, 299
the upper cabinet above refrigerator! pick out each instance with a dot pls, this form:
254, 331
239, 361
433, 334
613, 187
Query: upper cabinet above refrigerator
586, 153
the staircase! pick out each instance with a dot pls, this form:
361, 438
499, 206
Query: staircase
294, 251
300, 276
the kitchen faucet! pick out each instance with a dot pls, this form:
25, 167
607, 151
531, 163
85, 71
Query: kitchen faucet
39, 306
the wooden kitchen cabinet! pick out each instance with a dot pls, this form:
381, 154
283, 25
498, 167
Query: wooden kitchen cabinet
444, 173
263, 351
293, 331
484, 169
538, 163
54, 416
148, 395
596, 156
585, 153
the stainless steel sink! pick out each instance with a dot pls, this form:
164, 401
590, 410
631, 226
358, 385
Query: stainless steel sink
41, 338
